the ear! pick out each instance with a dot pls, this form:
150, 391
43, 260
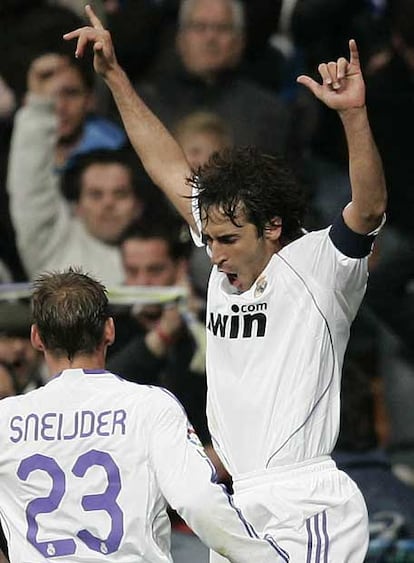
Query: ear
35, 339
109, 332
273, 229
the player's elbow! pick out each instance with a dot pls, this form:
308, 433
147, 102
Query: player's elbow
366, 217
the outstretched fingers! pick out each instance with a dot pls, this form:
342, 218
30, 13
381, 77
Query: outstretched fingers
84, 35
88, 34
311, 84
93, 18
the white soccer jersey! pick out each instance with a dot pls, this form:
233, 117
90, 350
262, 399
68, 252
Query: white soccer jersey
87, 464
275, 353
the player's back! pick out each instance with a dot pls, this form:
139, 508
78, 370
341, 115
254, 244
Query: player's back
75, 478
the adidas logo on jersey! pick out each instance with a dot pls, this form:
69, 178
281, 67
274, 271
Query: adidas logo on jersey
247, 321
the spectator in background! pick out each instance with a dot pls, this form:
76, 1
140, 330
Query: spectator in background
7, 386
206, 76
16, 351
201, 134
49, 131
8, 253
63, 89
29, 28
52, 234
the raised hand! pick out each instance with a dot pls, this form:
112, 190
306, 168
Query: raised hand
342, 85
104, 53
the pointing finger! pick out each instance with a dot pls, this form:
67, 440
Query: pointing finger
93, 18
353, 53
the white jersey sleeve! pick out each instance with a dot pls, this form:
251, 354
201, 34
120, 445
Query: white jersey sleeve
336, 258
185, 476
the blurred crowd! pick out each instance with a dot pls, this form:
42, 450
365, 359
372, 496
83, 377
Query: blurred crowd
218, 73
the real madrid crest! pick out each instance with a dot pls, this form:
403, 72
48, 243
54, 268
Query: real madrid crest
261, 285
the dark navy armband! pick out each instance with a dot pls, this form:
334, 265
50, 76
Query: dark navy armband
347, 241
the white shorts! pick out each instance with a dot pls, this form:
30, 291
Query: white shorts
313, 512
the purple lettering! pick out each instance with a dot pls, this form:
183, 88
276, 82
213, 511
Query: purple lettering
102, 423
46, 426
119, 418
87, 430
13, 428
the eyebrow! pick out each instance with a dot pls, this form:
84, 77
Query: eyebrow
205, 236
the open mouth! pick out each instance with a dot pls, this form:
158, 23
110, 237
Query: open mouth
232, 278
235, 281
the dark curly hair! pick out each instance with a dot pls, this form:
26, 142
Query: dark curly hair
70, 310
262, 185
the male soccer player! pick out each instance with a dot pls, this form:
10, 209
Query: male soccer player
280, 306
88, 461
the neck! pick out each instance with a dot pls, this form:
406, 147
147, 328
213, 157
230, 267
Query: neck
56, 364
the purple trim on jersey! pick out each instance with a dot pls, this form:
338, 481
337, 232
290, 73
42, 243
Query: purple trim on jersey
172, 396
308, 528
214, 474
86, 371
318, 539
283, 554
325, 535
322, 541
347, 241
250, 529
214, 441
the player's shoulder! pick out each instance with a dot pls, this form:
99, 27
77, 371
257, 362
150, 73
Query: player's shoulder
155, 398
308, 240
12, 404
166, 400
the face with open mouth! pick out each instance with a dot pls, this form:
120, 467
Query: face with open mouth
237, 250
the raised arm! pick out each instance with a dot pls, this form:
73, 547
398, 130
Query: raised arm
160, 154
343, 89
41, 216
